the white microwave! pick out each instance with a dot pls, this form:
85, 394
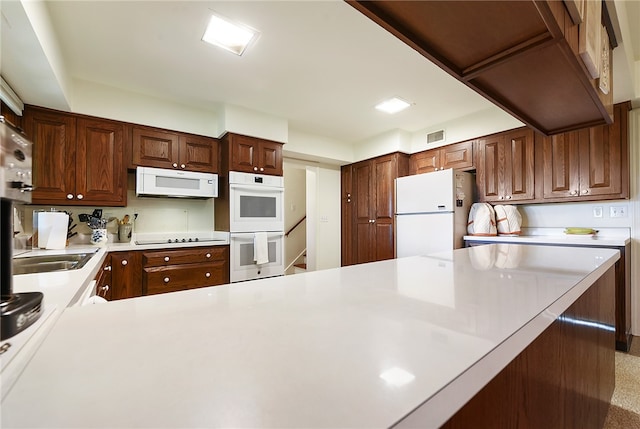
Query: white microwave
162, 182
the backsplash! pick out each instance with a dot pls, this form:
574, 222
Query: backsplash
154, 215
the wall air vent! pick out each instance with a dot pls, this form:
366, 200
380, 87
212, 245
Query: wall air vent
436, 136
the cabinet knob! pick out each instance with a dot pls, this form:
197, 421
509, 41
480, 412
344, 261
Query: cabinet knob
208, 255
80, 196
261, 168
69, 196
182, 166
501, 197
166, 279
585, 191
573, 193
166, 259
255, 168
508, 197
105, 288
124, 262
207, 275
107, 268
175, 165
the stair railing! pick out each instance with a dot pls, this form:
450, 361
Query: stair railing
295, 226
295, 259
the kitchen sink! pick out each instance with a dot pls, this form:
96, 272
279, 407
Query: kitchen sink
49, 263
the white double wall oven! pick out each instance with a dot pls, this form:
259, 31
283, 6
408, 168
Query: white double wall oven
256, 212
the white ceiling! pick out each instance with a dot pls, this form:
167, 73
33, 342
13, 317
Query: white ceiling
319, 64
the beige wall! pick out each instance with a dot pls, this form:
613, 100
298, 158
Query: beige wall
295, 197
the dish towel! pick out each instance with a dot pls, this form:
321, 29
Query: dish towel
260, 248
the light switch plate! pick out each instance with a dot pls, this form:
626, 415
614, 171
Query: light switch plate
618, 211
597, 211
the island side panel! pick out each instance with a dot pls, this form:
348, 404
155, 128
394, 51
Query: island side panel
565, 378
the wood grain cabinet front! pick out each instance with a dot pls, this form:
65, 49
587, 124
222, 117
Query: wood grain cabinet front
77, 160
173, 270
104, 279
456, 155
252, 155
125, 274
152, 147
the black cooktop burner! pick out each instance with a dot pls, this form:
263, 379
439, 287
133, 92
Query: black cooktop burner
177, 240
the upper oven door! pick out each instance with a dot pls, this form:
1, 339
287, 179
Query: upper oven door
256, 208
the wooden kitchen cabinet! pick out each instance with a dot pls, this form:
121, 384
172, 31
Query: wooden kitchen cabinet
174, 270
77, 160
505, 167
521, 55
251, 154
372, 205
126, 270
456, 155
152, 147
104, 279
589, 164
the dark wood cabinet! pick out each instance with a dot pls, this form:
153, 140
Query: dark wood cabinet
505, 167
251, 154
521, 55
586, 165
152, 147
104, 279
77, 160
456, 155
126, 270
371, 204
173, 270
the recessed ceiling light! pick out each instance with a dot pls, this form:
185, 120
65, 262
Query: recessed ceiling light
393, 105
228, 35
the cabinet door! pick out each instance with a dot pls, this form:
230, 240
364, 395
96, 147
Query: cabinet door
425, 162
363, 204
490, 172
457, 155
385, 172
270, 161
155, 148
244, 152
54, 155
346, 215
198, 153
104, 280
519, 166
561, 165
100, 168
126, 275
600, 153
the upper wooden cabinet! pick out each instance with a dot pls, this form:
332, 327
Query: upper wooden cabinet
590, 164
371, 203
77, 160
251, 154
154, 147
505, 167
457, 155
521, 55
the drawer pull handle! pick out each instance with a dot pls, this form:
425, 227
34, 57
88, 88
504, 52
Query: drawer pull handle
208, 255
107, 268
166, 279
207, 275
166, 259
105, 288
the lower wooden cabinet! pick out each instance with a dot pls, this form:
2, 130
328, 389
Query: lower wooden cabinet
104, 280
125, 275
173, 270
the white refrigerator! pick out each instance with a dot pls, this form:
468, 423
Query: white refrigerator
432, 211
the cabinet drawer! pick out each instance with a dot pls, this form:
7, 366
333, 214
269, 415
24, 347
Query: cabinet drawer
180, 277
184, 256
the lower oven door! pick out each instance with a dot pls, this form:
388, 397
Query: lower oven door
243, 266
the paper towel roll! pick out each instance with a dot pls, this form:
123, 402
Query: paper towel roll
52, 230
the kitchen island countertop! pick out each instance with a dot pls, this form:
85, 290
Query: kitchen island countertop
364, 345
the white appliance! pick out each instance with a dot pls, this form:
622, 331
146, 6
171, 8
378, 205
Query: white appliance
242, 263
256, 202
432, 211
175, 183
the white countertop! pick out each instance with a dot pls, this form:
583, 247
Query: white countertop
606, 237
361, 346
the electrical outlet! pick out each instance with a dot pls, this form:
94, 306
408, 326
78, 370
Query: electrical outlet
597, 211
618, 211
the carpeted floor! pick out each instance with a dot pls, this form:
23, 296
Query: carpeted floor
624, 412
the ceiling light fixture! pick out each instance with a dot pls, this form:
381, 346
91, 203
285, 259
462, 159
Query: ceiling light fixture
229, 35
393, 105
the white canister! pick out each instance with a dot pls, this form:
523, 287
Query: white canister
99, 236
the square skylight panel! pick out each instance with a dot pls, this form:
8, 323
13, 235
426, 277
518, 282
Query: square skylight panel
228, 35
393, 105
